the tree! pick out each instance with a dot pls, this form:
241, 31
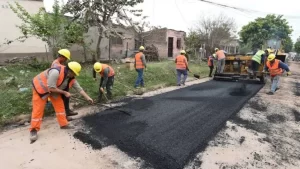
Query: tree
263, 29
287, 44
100, 14
212, 31
297, 47
55, 29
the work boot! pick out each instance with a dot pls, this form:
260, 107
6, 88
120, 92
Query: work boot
277, 89
270, 93
69, 118
69, 126
71, 113
33, 135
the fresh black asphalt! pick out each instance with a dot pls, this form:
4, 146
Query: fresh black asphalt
169, 129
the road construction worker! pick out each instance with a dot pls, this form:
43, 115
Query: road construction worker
210, 63
50, 83
257, 60
275, 67
221, 60
63, 56
107, 74
140, 66
181, 68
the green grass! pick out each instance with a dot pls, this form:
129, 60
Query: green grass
13, 102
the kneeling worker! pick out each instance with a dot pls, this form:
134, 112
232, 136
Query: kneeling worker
107, 74
275, 68
50, 83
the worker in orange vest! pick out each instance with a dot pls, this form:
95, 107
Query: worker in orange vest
107, 74
140, 66
275, 67
63, 56
220, 54
181, 68
50, 83
210, 63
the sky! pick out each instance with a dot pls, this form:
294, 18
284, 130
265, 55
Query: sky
184, 14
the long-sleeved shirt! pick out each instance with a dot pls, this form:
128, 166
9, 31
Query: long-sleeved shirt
281, 65
52, 80
143, 58
106, 72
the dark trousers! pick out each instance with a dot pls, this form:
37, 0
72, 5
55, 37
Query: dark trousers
140, 78
181, 72
254, 67
109, 85
66, 101
211, 68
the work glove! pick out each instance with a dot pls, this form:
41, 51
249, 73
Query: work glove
289, 73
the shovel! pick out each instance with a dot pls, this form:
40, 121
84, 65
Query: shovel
195, 75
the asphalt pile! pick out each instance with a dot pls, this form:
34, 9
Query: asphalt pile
169, 129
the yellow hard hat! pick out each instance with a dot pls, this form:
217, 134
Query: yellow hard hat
97, 67
269, 50
141, 48
182, 51
216, 49
75, 67
65, 52
271, 57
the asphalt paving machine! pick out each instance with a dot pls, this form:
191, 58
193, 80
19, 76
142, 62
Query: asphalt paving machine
236, 66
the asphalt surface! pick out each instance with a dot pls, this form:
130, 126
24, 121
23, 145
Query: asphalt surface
169, 129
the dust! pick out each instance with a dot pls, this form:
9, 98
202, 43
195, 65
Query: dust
296, 114
258, 105
276, 118
297, 89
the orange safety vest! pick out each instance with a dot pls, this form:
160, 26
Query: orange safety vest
111, 70
274, 68
181, 62
138, 61
39, 82
55, 63
209, 61
220, 54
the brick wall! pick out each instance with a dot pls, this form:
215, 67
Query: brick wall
176, 35
159, 39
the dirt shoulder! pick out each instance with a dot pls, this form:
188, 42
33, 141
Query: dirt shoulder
264, 134
58, 149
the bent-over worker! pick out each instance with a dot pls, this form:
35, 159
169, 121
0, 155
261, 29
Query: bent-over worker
107, 74
275, 67
50, 83
140, 66
181, 68
220, 54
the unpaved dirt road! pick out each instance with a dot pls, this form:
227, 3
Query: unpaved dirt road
262, 135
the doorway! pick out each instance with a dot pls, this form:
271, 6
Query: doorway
170, 46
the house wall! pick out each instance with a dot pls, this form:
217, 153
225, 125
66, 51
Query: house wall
159, 39
9, 31
176, 35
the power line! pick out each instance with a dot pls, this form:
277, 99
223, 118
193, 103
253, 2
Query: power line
245, 10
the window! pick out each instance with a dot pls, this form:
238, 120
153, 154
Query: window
116, 40
178, 43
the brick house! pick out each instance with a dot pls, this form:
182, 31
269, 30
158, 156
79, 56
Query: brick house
168, 41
